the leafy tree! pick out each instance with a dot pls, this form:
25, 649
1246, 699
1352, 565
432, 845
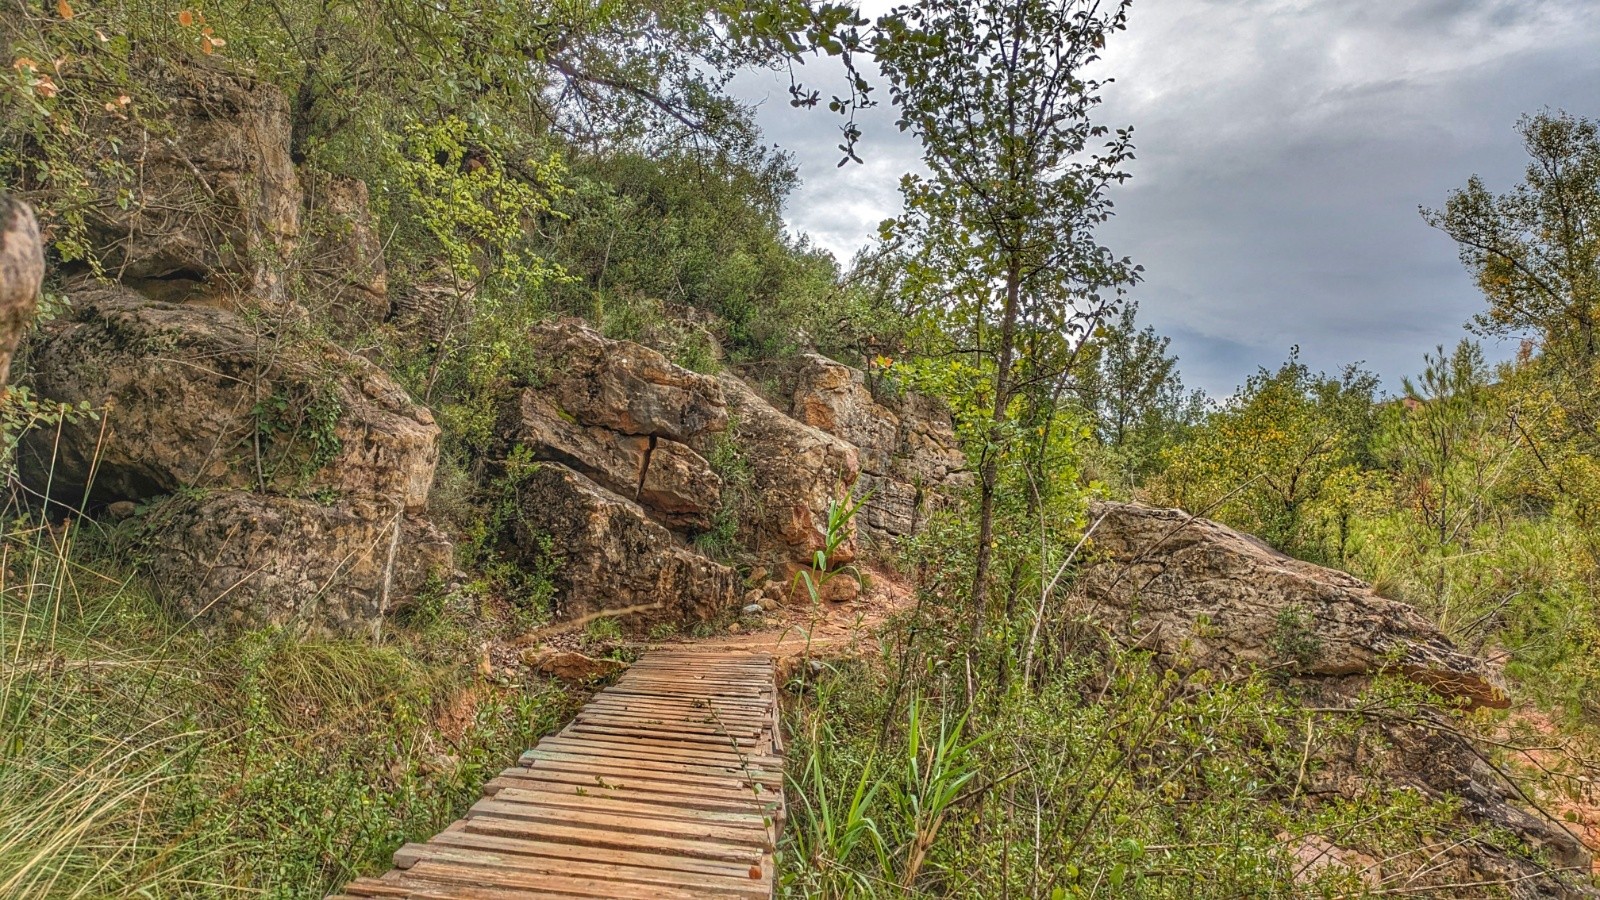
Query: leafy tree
1004, 221
1535, 253
1535, 250
1287, 441
1131, 387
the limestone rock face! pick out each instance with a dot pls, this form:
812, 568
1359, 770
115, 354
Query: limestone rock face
21, 273
626, 387
1200, 593
342, 255
217, 199
610, 556
196, 397
910, 459
249, 560
797, 470
674, 484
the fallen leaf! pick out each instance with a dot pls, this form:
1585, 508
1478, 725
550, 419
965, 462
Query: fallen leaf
186, 18
64, 9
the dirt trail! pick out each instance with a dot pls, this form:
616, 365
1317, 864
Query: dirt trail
824, 629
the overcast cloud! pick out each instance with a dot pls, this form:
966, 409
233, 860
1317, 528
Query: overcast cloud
1283, 150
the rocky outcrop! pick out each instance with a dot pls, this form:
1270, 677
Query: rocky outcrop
609, 556
198, 397
911, 462
217, 200
673, 483
1202, 595
248, 559
21, 274
625, 387
796, 472
342, 254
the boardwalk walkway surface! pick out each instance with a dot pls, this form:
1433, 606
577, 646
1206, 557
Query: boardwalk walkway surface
669, 784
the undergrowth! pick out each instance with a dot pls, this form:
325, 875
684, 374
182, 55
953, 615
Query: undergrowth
140, 757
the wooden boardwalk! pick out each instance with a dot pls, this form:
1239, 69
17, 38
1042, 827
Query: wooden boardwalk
669, 784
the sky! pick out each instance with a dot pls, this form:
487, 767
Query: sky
1284, 147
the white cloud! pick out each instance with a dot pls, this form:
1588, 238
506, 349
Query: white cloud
1284, 146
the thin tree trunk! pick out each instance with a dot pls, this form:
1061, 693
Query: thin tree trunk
989, 472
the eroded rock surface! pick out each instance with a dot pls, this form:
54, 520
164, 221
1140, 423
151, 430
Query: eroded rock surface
796, 470
249, 560
217, 201
910, 460
610, 556
1200, 593
21, 273
673, 483
342, 255
197, 397
626, 387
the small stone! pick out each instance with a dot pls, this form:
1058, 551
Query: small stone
757, 575
767, 603
754, 609
122, 509
840, 589
570, 665
752, 597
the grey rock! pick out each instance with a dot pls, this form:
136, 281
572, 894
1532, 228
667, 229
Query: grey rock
21, 274
248, 560
198, 397
610, 557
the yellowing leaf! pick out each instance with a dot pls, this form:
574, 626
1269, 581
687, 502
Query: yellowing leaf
24, 62
64, 9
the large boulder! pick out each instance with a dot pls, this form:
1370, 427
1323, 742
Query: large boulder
674, 484
796, 471
626, 387
1202, 595
198, 397
609, 556
217, 200
620, 413
911, 462
21, 274
248, 560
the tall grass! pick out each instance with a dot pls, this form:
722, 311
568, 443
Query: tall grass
140, 757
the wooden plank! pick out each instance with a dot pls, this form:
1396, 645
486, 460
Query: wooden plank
687, 740
457, 836
455, 875
710, 757
669, 812
623, 760
626, 763
411, 854
622, 824
664, 792
564, 834
644, 794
